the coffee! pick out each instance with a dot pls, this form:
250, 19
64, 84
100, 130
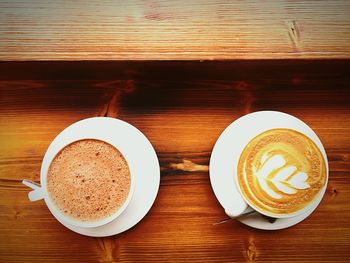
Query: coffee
281, 172
88, 180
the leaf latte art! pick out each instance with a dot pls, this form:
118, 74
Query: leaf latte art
280, 172
286, 180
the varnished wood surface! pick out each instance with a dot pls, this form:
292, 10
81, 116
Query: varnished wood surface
182, 107
173, 30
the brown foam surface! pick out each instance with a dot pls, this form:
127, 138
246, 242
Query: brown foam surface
89, 180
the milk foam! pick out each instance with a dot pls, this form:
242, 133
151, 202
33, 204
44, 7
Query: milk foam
286, 179
89, 180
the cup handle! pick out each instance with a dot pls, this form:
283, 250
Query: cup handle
239, 211
37, 193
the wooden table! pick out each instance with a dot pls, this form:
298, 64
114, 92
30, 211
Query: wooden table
182, 107
173, 30
64, 61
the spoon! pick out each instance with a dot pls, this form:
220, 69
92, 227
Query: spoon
270, 219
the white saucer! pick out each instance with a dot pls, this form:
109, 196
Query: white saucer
225, 156
140, 155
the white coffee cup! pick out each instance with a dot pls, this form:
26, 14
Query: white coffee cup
91, 128
234, 139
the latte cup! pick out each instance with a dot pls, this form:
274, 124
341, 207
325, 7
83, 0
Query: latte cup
247, 128
87, 129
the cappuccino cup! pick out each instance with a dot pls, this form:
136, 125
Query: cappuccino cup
86, 179
280, 167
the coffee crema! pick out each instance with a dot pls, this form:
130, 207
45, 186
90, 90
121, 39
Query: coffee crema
89, 180
280, 172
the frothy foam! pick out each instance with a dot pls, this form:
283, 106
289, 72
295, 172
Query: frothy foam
281, 171
89, 180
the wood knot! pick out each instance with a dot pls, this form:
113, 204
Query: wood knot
108, 249
294, 34
189, 166
111, 108
128, 86
17, 215
242, 85
251, 251
333, 191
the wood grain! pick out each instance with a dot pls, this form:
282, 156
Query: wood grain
173, 30
182, 107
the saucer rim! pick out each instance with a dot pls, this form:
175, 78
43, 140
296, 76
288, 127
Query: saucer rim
149, 193
253, 221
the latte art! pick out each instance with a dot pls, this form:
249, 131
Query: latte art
280, 172
287, 179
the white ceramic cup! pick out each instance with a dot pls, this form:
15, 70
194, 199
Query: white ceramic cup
85, 129
242, 131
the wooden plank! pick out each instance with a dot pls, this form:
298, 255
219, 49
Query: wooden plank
177, 229
182, 115
173, 30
